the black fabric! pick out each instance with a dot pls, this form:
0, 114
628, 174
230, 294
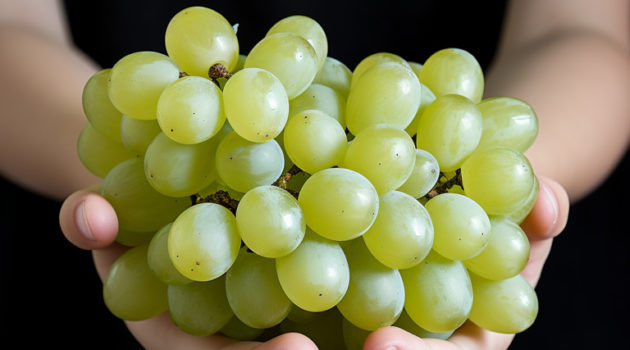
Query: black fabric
51, 295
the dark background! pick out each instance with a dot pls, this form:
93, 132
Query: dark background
51, 295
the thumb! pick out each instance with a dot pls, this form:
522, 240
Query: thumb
88, 221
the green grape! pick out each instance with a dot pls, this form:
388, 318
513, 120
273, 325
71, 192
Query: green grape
405, 322
297, 181
179, 170
159, 261
453, 71
505, 255
131, 291
137, 80
507, 306
388, 93
427, 98
519, 215
322, 98
256, 104
98, 109
336, 75
314, 141
98, 153
314, 276
325, 330
499, 179
216, 186
243, 165
462, 228
424, 176
190, 110
373, 60
265, 308
507, 122
289, 57
402, 235
138, 206
132, 239
415, 67
204, 241
238, 330
438, 293
308, 29
240, 64
338, 203
375, 295
199, 308
198, 38
385, 155
353, 336
270, 221
137, 134
450, 129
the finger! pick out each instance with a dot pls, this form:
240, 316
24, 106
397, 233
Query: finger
550, 213
104, 258
394, 338
88, 221
538, 253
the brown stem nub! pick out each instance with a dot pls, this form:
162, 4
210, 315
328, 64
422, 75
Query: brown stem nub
220, 197
444, 186
217, 71
183, 74
283, 181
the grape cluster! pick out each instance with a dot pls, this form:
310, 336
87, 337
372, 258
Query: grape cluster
279, 191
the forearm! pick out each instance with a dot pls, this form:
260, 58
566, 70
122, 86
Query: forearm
576, 77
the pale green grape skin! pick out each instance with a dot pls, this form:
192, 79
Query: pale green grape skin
384, 155
335, 75
425, 174
133, 239
98, 153
314, 141
415, 67
315, 276
190, 110
256, 104
131, 291
509, 306
373, 60
243, 165
204, 241
216, 186
427, 98
353, 336
462, 228
505, 255
179, 170
387, 93
507, 122
453, 71
450, 129
287, 56
240, 64
499, 179
138, 206
438, 293
308, 29
98, 109
199, 308
270, 221
137, 134
322, 98
325, 330
339, 204
265, 308
238, 330
159, 261
405, 322
137, 80
402, 235
375, 295
519, 215
198, 38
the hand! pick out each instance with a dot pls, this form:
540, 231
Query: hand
89, 222
547, 219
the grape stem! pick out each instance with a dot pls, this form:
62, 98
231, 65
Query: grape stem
217, 71
283, 181
443, 184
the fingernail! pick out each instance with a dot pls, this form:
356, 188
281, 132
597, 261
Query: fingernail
80, 218
391, 348
550, 201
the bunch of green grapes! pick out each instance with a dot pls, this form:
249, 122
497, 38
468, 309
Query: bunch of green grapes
280, 191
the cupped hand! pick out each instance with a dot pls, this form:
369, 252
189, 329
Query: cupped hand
547, 219
89, 222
